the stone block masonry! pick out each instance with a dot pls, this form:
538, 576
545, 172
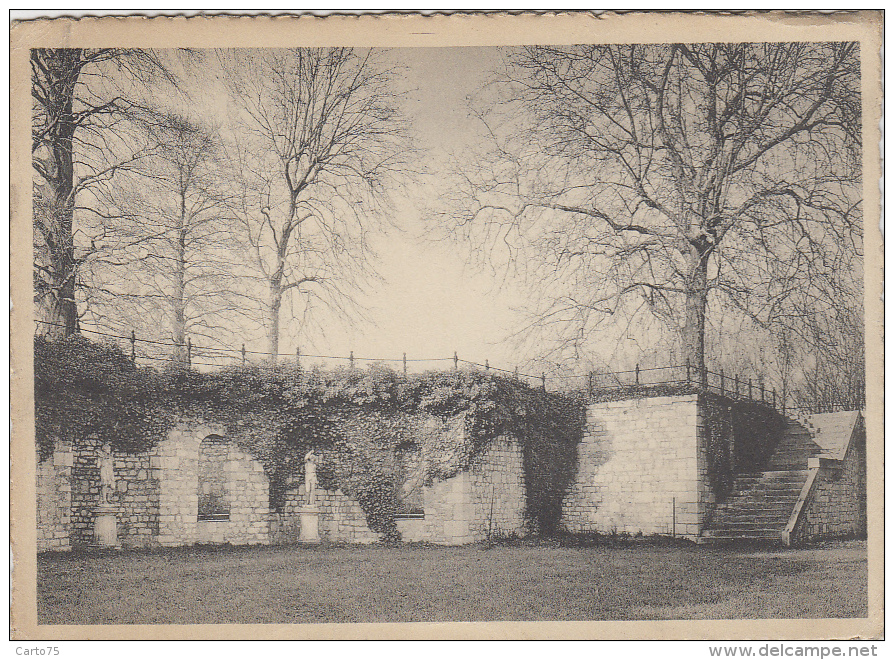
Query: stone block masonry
641, 468
156, 494
175, 463
836, 506
245, 490
54, 499
341, 518
486, 500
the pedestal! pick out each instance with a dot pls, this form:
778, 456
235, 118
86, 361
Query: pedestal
105, 527
309, 516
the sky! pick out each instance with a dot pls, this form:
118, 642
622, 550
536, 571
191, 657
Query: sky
430, 303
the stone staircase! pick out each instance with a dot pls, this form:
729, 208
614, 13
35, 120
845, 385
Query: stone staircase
761, 503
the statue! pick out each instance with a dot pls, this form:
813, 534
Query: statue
310, 477
106, 463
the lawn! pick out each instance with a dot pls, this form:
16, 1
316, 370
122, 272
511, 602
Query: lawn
471, 583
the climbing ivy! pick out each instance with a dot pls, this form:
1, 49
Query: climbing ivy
354, 419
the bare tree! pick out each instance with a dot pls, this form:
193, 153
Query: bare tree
74, 106
671, 182
321, 145
166, 263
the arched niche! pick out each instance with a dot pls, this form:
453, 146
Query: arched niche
213, 491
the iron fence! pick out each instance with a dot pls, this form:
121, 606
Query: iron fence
634, 382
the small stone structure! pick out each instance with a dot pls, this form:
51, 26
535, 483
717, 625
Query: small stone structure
833, 499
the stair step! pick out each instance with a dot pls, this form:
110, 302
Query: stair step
756, 532
748, 516
769, 495
758, 508
761, 503
756, 523
763, 494
773, 474
766, 493
770, 485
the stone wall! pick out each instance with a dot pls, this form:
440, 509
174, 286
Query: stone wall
176, 464
341, 518
136, 495
156, 495
642, 467
85, 491
54, 500
487, 499
837, 503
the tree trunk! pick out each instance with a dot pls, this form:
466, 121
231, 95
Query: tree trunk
273, 319
58, 305
178, 328
696, 307
57, 283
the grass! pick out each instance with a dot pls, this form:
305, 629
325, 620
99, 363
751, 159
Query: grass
471, 583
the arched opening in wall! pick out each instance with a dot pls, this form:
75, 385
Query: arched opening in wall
408, 477
214, 502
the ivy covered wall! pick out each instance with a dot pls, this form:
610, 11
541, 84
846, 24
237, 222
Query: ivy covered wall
364, 424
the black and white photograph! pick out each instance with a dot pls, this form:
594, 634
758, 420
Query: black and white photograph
418, 320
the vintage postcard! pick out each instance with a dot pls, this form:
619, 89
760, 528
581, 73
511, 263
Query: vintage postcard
456, 326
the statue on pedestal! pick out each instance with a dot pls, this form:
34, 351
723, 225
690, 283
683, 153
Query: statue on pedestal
105, 522
106, 463
310, 477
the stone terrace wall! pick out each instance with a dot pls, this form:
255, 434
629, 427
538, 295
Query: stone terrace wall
489, 497
837, 506
637, 459
54, 500
85, 487
497, 490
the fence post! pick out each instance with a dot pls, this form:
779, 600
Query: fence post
722, 383
762, 390
405, 364
243, 355
298, 358
133, 346
590, 380
188, 352
486, 365
515, 374
543, 380
749, 389
688, 372
774, 397
455, 362
637, 374
351, 360
737, 386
